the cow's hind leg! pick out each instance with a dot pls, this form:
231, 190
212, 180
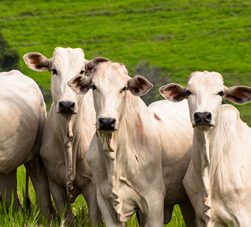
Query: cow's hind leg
61, 201
8, 189
188, 213
39, 180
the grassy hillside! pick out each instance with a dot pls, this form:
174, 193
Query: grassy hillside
176, 37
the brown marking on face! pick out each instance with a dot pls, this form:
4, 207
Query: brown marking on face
91, 66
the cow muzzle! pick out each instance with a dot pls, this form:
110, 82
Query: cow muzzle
66, 107
106, 124
202, 119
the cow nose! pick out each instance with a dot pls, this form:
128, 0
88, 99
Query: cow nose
66, 107
208, 117
107, 124
202, 117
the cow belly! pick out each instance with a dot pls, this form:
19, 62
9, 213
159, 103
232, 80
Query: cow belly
15, 146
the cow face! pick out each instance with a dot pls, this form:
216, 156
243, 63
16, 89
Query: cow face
111, 85
65, 64
204, 92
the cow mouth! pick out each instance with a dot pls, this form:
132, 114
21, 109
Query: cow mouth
107, 129
67, 113
203, 125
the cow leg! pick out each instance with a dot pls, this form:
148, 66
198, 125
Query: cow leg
107, 212
188, 213
155, 213
39, 180
61, 201
8, 189
89, 192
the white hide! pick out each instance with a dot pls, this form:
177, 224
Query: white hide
140, 165
74, 130
22, 108
218, 180
22, 119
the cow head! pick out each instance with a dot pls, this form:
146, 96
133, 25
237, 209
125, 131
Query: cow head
204, 92
111, 85
65, 64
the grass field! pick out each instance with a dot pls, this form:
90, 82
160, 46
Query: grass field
176, 37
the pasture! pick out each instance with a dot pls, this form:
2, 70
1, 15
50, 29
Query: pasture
172, 37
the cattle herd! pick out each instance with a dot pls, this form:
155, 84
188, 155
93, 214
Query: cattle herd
101, 140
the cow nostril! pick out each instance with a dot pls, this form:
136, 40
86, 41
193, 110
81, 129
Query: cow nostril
100, 121
208, 116
61, 104
113, 121
72, 104
197, 117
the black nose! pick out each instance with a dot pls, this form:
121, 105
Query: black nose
202, 117
107, 124
66, 107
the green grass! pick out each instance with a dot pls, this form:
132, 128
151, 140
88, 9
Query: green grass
10, 217
177, 37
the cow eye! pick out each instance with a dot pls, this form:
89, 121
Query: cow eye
82, 72
93, 87
221, 93
123, 89
188, 92
54, 72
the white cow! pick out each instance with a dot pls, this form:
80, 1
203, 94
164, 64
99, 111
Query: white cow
218, 178
139, 155
68, 131
22, 119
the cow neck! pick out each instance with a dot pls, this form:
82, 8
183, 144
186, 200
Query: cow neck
71, 129
121, 156
208, 150
131, 128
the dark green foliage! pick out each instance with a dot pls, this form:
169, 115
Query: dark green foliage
8, 57
156, 76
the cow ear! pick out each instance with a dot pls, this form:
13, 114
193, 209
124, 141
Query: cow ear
91, 66
238, 94
173, 92
36, 61
80, 84
139, 85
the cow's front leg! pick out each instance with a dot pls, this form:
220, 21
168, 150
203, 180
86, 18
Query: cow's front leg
61, 201
90, 195
153, 216
108, 213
